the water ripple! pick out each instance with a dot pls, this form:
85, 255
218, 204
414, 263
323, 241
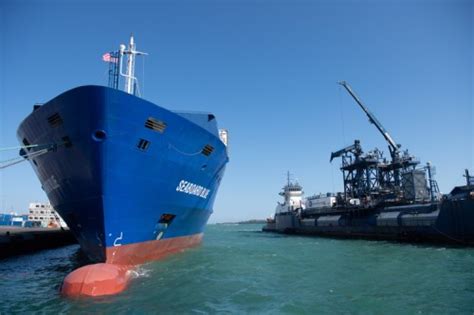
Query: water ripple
239, 269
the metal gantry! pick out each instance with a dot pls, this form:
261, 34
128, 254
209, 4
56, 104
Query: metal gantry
370, 178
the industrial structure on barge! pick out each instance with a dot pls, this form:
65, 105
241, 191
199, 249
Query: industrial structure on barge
384, 198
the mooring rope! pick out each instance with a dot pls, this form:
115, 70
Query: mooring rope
20, 147
342, 115
27, 156
22, 159
448, 236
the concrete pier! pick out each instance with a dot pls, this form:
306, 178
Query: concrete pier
18, 240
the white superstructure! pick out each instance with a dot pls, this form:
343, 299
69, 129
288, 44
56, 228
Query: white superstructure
320, 201
45, 213
294, 200
293, 194
224, 136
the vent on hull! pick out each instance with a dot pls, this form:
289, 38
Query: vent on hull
143, 144
207, 150
155, 124
55, 120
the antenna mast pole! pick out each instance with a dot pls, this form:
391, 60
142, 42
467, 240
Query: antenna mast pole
130, 79
130, 67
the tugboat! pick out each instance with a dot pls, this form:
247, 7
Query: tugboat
382, 199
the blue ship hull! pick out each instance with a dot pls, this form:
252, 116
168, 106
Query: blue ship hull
126, 171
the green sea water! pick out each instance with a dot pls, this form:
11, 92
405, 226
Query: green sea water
240, 270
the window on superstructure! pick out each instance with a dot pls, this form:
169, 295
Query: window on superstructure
155, 124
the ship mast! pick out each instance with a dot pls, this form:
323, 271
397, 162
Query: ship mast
130, 67
130, 79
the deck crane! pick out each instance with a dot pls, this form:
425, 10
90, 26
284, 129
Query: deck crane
370, 176
355, 148
399, 160
393, 146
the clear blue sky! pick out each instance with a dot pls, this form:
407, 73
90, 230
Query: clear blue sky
268, 71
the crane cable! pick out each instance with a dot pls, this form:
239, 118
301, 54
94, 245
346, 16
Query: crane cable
342, 116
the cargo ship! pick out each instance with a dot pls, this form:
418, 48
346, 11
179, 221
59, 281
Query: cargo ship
383, 199
134, 181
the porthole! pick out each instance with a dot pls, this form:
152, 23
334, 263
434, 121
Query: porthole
99, 135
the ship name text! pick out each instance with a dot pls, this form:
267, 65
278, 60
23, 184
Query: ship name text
192, 189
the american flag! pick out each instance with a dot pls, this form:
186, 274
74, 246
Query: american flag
107, 57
